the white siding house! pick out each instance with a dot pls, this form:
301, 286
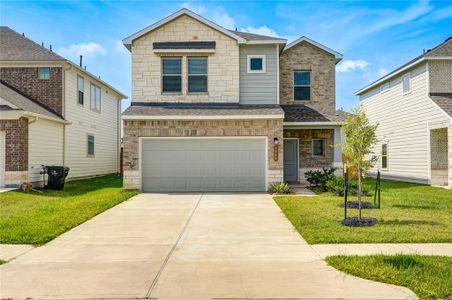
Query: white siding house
86, 120
415, 128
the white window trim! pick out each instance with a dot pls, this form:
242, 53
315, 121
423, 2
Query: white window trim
387, 157
181, 75
91, 98
87, 145
294, 86
248, 63
312, 147
207, 75
382, 88
409, 81
82, 90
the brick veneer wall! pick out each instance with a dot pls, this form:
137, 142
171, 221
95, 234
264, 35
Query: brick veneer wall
305, 136
16, 132
440, 76
49, 92
303, 57
199, 128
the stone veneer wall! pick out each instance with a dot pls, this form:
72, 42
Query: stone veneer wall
47, 91
306, 160
199, 128
440, 76
223, 65
305, 57
16, 160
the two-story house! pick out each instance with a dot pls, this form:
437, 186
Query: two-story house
53, 112
413, 106
221, 110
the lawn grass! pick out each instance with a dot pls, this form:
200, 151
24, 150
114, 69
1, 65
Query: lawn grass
409, 213
430, 277
36, 218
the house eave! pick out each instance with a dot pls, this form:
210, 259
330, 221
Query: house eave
197, 117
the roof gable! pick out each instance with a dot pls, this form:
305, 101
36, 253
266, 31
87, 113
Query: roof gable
129, 40
336, 54
240, 37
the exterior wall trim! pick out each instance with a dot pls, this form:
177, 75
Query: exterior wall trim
217, 117
140, 142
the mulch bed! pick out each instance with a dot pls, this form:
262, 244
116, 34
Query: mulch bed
355, 204
355, 222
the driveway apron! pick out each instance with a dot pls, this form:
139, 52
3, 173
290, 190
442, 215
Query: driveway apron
185, 246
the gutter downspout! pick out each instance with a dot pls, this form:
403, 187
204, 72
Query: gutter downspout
28, 152
65, 68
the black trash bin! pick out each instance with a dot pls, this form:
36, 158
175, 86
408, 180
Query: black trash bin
56, 177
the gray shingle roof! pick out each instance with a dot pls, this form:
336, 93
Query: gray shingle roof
202, 109
303, 113
15, 47
24, 103
444, 100
255, 37
443, 49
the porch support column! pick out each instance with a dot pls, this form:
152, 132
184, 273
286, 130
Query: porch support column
337, 162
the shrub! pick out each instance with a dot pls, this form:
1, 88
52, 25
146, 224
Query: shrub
336, 186
280, 188
319, 178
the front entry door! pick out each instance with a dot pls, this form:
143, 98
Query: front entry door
290, 160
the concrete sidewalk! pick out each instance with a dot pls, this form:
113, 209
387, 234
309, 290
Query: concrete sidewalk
10, 251
441, 249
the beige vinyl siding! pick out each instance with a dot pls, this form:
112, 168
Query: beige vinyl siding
103, 125
259, 88
45, 147
404, 124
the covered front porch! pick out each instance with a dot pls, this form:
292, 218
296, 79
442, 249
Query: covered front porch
311, 141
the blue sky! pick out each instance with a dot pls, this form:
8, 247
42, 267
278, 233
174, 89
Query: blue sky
374, 36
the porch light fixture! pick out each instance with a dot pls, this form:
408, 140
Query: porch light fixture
275, 141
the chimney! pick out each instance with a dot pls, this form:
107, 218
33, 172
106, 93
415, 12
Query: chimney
81, 60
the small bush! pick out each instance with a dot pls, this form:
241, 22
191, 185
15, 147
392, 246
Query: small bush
280, 188
319, 178
336, 186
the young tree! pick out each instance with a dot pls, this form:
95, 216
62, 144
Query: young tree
359, 138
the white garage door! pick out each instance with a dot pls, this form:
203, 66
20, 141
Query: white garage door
198, 164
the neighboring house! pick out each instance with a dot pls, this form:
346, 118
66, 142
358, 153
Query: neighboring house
220, 110
53, 112
413, 106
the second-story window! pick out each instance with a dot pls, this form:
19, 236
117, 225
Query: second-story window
95, 97
197, 74
80, 89
171, 75
406, 83
301, 85
256, 63
43, 73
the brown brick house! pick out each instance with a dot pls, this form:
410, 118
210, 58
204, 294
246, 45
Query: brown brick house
53, 112
220, 110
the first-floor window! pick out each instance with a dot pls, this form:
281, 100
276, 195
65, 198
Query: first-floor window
90, 145
95, 97
318, 147
43, 73
197, 74
301, 85
384, 156
171, 75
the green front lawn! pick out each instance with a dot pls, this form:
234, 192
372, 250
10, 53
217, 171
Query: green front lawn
36, 218
430, 277
409, 213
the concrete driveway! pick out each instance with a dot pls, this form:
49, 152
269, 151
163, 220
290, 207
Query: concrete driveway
184, 246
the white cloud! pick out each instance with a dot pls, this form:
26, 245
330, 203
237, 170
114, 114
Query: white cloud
88, 50
199, 9
222, 18
263, 30
382, 72
351, 65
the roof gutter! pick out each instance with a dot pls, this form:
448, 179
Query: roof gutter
313, 123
